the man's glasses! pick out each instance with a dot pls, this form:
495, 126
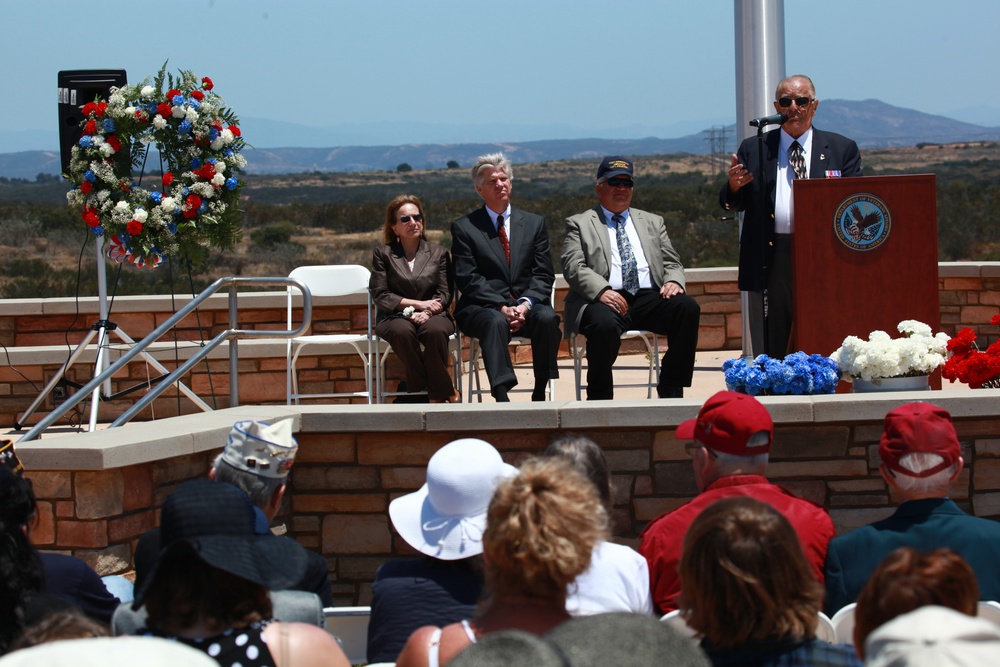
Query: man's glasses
692, 447
416, 218
786, 102
620, 182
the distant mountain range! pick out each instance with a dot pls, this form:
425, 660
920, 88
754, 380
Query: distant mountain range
872, 123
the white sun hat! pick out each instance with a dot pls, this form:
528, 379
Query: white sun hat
446, 517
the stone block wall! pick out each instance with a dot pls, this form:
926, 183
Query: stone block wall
98, 492
40, 334
98, 515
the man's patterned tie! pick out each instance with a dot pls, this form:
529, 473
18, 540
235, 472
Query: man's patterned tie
797, 160
504, 241
630, 270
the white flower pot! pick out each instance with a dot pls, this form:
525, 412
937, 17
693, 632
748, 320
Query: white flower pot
915, 383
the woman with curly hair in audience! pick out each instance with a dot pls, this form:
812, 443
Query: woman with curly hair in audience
618, 577
412, 285
909, 579
541, 529
748, 591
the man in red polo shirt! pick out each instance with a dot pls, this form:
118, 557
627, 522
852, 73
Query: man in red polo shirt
732, 437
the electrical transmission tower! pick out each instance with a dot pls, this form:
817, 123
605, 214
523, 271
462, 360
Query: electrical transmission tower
718, 153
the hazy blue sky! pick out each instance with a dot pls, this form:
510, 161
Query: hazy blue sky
592, 65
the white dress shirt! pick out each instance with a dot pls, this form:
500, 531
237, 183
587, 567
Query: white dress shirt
615, 279
784, 216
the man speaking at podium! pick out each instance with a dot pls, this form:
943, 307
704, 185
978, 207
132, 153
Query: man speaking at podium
797, 150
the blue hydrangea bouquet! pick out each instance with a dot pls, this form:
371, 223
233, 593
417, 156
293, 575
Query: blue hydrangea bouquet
797, 374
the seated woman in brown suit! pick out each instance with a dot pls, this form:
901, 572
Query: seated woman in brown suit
412, 285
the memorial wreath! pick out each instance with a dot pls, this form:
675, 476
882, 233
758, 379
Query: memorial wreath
199, 142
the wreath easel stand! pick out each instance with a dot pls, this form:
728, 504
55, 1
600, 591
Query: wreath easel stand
201, 142
102, 330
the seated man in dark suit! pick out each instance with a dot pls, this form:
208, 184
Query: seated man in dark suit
503, 269
623, 273
920, 458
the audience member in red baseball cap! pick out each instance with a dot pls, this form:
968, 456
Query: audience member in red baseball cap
731, 442
920, 458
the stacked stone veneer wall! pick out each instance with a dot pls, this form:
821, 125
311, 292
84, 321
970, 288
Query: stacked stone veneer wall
99, 491
39, 334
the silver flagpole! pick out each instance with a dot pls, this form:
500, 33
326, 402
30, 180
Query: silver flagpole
760, 65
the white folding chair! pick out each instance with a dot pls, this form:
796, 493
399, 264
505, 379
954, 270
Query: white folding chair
825, 629
383, 350
331, 280
843, 624
677, 622
515, 342
350, 626
989, 610
652, 342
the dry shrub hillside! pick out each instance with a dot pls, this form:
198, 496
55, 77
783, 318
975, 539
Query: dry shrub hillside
334, 218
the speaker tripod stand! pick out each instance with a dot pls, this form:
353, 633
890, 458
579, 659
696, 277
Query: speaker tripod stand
102, 331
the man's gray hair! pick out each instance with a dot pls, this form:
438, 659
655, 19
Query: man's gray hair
490, 162
728, 464
260, 490
918, 462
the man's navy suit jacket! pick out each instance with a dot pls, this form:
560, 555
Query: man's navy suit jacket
830, 153
924, 525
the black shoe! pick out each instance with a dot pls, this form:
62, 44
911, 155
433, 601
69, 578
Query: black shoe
500, 394
408, 398
670, 392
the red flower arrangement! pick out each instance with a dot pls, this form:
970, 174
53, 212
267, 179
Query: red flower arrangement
967, 363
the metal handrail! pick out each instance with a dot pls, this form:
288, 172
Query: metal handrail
232, 333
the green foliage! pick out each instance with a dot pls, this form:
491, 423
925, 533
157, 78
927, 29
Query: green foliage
404, 167
301, 219
272, 235
452, 164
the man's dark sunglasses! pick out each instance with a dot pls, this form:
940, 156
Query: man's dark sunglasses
786, 102
620, 182
416, 218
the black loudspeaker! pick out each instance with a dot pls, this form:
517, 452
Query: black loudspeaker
76, 88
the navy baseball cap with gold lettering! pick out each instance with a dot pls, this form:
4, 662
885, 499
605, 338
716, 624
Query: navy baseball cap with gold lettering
614, 165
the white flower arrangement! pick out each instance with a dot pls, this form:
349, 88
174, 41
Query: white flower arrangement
408, 312
919, 352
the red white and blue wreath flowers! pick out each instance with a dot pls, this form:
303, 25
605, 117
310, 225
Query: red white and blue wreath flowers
199, 141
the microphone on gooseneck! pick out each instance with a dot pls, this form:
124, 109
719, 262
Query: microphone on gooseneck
776, 119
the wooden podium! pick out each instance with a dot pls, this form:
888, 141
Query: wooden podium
864, 257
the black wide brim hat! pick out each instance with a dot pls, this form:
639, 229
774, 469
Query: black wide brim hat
216, 520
